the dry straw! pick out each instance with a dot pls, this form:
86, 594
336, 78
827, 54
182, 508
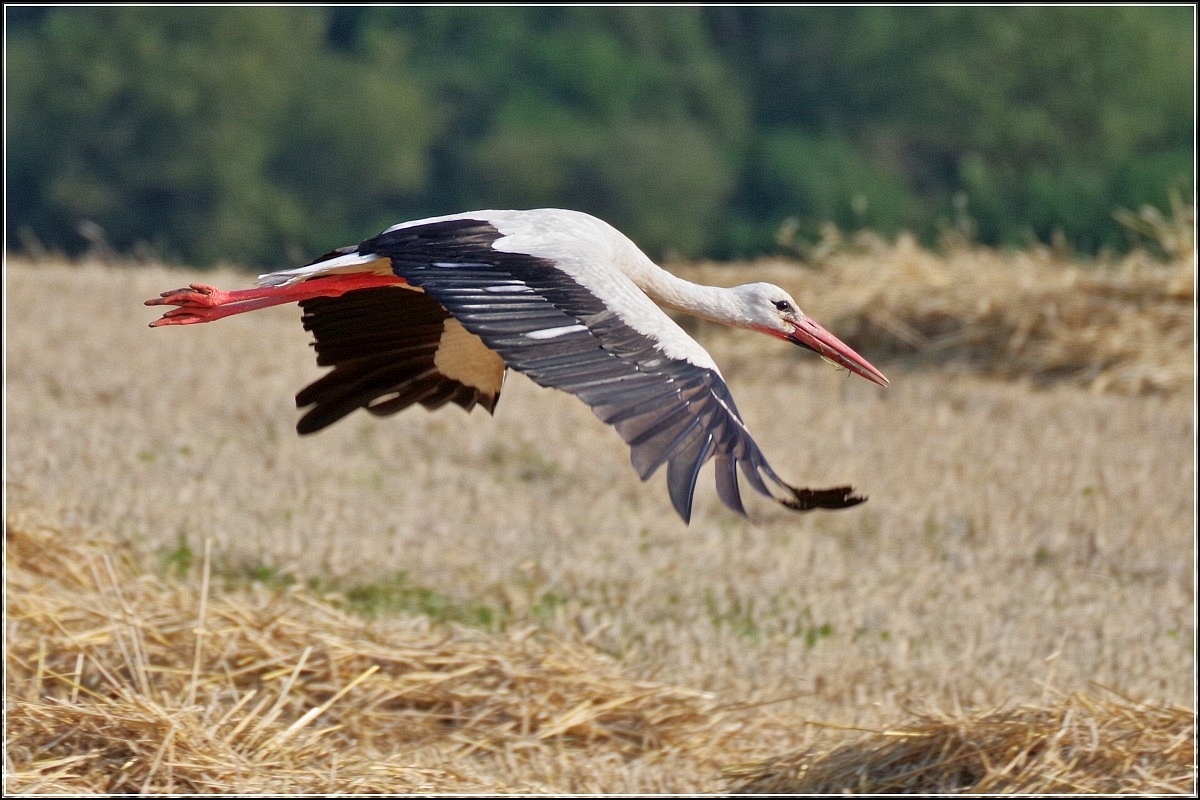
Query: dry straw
1080, 744
120, 681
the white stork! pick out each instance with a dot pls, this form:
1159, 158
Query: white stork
435, 311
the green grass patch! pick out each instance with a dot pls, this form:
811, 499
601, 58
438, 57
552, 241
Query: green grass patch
398, 594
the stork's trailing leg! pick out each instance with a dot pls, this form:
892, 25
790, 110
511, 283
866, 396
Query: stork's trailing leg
200, 302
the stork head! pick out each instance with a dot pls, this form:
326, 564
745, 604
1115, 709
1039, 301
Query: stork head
769, 309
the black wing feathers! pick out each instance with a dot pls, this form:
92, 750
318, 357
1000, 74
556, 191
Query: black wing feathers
546, 325
381, 344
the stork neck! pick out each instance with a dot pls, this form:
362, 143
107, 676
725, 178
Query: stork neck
713, 303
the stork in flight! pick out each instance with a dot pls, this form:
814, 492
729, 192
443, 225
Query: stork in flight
435, 311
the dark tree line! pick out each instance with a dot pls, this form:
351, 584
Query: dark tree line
266, 134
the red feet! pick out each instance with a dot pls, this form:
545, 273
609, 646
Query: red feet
197, 303
200, 302
203, 303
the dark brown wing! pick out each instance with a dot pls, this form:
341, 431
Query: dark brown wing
389, 348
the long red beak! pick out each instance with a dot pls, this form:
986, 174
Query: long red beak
811, 335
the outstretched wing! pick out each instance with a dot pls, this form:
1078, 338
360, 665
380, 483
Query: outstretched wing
544, 323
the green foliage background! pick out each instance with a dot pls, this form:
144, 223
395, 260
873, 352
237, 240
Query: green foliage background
266, 135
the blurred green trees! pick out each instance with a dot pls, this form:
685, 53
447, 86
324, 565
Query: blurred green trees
266, 135
209, 133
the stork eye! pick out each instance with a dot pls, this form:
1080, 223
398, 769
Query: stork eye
784, 306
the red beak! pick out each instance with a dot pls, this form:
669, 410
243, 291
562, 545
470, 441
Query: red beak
812, 336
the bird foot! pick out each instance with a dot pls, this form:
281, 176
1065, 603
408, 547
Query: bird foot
198, 302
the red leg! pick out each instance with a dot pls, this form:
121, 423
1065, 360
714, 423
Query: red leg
203, 303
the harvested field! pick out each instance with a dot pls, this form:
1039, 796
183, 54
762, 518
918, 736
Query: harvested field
123, 682
198, 600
